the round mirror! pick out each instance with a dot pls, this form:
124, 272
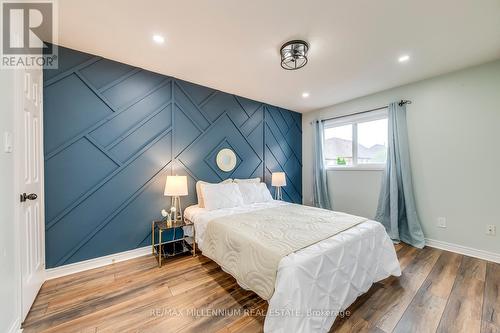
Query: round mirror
226, 160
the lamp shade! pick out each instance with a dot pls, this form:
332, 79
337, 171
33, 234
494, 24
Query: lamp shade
278, 179
176, 186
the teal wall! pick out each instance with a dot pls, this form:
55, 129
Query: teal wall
113, 132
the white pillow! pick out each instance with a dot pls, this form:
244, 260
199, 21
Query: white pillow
248, 180
254, 193
266, 195
218, 196
199, 192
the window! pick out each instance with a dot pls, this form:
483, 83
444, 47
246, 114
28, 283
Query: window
358, 141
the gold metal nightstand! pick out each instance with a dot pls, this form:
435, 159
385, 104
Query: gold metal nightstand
187, 243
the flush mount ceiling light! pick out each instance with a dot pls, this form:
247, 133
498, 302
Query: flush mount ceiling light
305, 94
294, 54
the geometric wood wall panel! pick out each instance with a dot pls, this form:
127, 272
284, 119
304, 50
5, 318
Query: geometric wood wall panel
283, 149
73, 108
67, 177
113, 132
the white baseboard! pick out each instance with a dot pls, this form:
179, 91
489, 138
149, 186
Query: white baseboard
468, 251
52, 273
15, 327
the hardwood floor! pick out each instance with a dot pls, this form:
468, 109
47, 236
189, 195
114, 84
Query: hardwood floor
439, 291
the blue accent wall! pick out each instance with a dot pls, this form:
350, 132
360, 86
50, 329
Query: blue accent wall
113, 132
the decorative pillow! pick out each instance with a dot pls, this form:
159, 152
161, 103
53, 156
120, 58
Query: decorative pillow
199, 192
248, 180
266, 195
218, 196
253, 193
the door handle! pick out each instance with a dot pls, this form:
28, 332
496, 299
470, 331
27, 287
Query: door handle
31, 196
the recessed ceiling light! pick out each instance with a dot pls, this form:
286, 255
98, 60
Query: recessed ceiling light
404, 58
158, 39
305, 94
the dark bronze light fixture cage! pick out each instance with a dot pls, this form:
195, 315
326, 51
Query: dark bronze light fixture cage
294, 54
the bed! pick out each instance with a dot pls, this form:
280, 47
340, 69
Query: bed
315, 283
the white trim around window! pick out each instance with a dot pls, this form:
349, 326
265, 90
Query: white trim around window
358, 167
354, 120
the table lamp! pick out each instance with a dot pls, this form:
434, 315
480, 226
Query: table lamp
278, 179
175, 187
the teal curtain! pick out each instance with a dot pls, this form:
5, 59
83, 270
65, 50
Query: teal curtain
321, 197
396, 206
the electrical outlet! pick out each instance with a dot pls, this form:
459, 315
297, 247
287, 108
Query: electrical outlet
491, 230
441, 222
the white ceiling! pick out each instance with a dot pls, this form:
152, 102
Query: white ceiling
233, 45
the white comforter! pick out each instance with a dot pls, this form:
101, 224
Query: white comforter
317, 282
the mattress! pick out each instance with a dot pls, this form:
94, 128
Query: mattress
314, 284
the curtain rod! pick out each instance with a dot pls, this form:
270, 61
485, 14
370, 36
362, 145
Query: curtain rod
401, 103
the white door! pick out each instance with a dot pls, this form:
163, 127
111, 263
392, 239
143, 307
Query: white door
29, 159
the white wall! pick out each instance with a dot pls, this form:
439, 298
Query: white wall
355, 192
9, 273
454, 136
